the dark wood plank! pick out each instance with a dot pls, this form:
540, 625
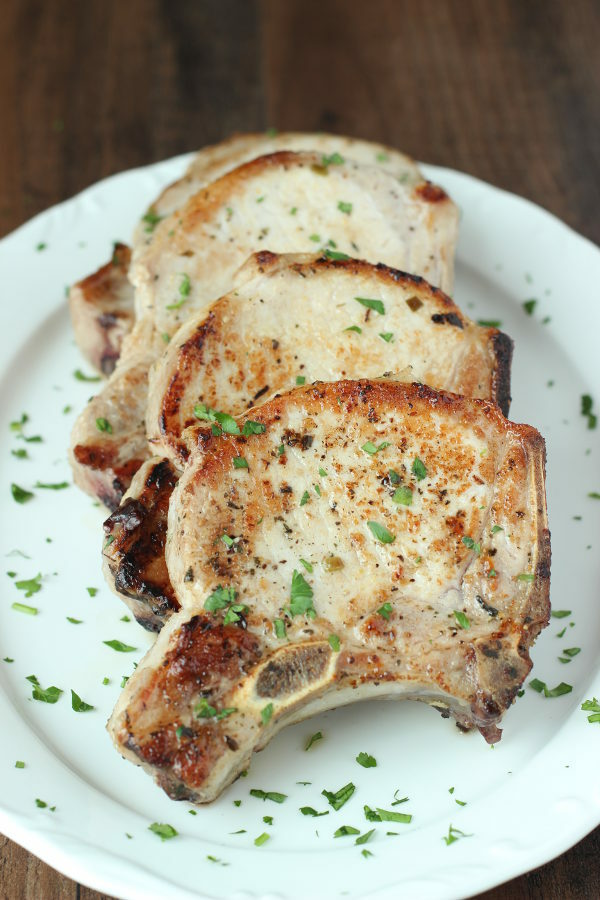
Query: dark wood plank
509, 92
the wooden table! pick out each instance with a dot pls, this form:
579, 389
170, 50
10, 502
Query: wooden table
508, 91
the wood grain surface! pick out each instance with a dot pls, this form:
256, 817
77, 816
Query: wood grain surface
508, 91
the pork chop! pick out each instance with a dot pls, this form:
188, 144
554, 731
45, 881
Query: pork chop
320, 573
298, 319
249, 347
101, 307
193, 262
102, 304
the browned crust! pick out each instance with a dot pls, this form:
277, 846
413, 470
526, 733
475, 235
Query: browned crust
502, 351
202, 205
136, 554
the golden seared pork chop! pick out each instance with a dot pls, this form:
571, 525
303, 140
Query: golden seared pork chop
342, 542
294, 320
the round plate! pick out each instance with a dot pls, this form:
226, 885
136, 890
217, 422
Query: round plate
525, 800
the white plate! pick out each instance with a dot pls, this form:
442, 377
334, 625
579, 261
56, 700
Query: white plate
528, 799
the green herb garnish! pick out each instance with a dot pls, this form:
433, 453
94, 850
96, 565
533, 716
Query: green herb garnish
317, 736
79, 705
165, 832
30, 585
334, 642
20, 495
81, 376
57, 486
529, 306
387, 336
49, 695
266, 713
376, 305
418, 469
103, 424
261, 839
309, 811
345, 830
344, 207
461, 619
366, 760
301, 596
338, 798
372, 449
240, 462
403, 495
119, 646
268, 795
385, 611
381, 533
22, 607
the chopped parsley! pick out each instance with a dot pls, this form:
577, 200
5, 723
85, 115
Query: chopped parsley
268, 820
372, 449
385, 611
307, 565
364, 838
593, 707
203, 710
240, 462
279, 625
165, 832
525, 576
529, 306
489, 323
322, 472
334, 642
334, 159
81, 376
305, 498
317, 736
418, 469
376, 305
103, 424
366, 760
403, 495
345, 830
20, 495
496, 529
542, 688
57, 486
266, 713
301, 596
315, 238
19, 764
92, 591
454, 834
387, 336
309, 811
344, 207
268, 795
381, 533
560, 613
30, 585
226, 422
119, 646
21, 453
74, 621
300, 379
461, 619
261, 839
220, 598
228, 541
572, 651
355, 328
471, 545
586, 410
336, 799
22, 607
79, 705
49, 695
151, 218
251, 427
184, 292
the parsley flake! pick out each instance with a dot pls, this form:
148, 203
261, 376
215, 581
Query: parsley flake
266, 713
366, 760
334, 642
165, 832
49, 695
240, 462
301, 596
345, 830
462, 620
79, 705
336, 799
104, 425
344, 207
20, 495
372, 449
275, 796
309, 811
418, 469
376, 305
381, 533
317, 736
354, 328
387, 336
119, 646
81, 376
529, 306
385, 611
403, 495
30, 585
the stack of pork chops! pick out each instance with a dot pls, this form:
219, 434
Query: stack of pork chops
315, 495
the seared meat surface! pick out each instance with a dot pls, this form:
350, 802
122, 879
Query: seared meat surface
194, 256
290, 321
320, 572
134, 545
101, 307
299, 319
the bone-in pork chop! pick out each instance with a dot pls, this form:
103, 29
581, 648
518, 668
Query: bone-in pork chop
320, 572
